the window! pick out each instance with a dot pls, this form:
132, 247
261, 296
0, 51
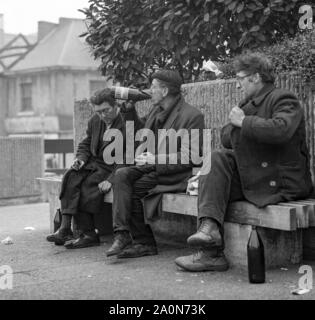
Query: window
96, 85
26, 97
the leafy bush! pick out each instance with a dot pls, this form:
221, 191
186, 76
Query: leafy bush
133, 37
295, 54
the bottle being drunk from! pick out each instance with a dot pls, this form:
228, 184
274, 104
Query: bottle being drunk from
134, 94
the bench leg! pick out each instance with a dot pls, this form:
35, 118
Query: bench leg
309, 244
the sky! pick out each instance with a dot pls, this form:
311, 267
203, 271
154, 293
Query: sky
21, 16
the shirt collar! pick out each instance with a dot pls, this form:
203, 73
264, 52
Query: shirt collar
262, 94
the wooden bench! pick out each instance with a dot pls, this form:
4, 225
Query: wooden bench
287, 229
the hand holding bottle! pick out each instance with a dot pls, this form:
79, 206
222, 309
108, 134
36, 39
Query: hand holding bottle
127, 106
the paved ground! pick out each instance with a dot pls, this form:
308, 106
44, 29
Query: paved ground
44, 271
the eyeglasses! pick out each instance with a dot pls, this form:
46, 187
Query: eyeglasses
104, 111
240, 78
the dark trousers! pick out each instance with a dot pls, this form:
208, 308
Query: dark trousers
219, 187
70, 198
80, 196
88, 222
131, 185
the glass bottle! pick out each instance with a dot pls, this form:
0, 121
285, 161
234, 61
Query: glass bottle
255, 258
134, 94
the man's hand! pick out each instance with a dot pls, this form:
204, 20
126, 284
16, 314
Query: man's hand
145, 158
77, 164
237, 116
127, 106
192, 187
104, 186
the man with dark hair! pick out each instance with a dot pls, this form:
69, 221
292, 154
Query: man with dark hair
266, 160
84, 185
132, 185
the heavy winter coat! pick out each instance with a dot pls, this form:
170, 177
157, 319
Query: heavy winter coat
270, 148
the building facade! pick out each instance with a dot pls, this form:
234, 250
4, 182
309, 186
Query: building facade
39, 91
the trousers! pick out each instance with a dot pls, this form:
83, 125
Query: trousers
219, 187
130, 186
80, 196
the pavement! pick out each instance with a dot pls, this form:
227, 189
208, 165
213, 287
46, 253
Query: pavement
43, 271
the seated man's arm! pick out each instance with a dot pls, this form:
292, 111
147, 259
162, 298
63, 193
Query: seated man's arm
83, 150
188, 153
226, 136
129, 113
286, 117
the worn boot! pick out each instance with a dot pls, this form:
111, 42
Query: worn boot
121, 241
85, 240
207, 236
203, 260
60, 236
138, 250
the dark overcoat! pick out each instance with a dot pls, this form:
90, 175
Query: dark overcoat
173, 177
270, 148
95, 170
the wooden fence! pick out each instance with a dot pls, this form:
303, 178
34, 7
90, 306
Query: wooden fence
215, 99
21, 163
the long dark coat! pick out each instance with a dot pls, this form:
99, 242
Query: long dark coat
271, 152
173, 177
95, 169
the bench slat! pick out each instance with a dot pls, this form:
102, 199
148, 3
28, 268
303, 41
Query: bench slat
311, 205
303, 212
180, 203
273, 216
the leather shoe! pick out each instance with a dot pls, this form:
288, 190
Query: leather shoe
207, 236
60, 237
203, 260
121, 241
83, 242
138, 250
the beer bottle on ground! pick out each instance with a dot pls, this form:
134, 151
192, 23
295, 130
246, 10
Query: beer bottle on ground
255, 258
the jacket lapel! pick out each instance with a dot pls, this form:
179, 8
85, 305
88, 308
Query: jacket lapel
250, 107
170, 120
95, 136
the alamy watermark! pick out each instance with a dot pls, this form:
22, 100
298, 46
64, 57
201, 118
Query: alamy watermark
306, 281
6, 278
168, 146
306, 20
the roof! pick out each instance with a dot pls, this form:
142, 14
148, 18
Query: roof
62, 47
14, 51
31, 38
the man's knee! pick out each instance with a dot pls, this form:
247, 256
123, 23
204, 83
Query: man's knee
222, 157
122, 175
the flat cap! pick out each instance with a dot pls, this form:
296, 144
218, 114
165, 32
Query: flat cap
170, 77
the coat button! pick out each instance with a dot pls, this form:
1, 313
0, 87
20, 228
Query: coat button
272, 183
264, 164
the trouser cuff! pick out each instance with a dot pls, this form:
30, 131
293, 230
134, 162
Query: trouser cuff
212, 213
69, 211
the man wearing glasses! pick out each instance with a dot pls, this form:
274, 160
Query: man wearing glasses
84, 185
266, 160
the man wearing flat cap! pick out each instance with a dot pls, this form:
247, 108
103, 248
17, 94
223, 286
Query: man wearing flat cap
138, 189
